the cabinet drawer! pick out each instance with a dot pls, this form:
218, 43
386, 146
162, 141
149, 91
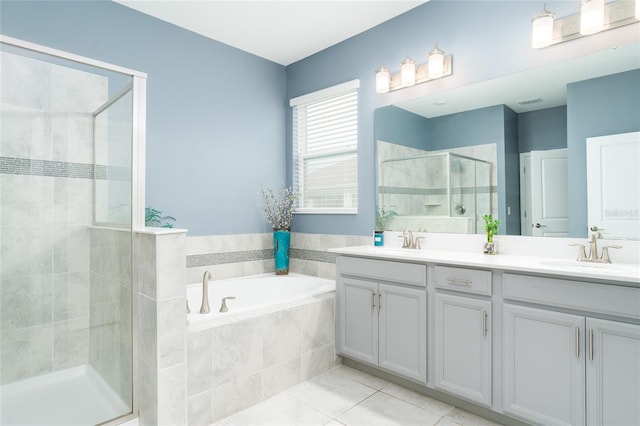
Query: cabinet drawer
592, 297
397, 272
463, 279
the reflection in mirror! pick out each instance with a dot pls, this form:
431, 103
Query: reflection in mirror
441, 191
537, 115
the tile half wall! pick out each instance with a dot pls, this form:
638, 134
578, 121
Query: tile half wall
231, 256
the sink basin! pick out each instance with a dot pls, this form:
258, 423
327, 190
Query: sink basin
593, 266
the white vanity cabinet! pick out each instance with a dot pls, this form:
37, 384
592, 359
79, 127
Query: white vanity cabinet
382, 315
613, 373
567, 369
462, 333
462, 349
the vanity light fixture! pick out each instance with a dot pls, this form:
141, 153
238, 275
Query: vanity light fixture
438, 65
594, 16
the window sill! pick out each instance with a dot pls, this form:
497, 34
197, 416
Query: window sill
326, 211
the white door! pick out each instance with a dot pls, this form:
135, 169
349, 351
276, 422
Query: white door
613, 373
463, 347
543, 366
403, 331
358, 319
613, 185
549, 192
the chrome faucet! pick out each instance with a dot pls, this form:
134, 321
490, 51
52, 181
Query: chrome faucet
409, 240
593, 251
204, 309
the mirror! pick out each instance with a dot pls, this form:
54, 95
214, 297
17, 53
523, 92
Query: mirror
432, 152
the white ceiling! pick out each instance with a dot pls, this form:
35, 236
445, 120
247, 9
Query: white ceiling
280, 31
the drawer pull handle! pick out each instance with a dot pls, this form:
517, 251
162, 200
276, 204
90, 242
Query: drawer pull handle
578, 342
591, 344
459, 281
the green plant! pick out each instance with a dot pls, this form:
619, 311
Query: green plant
490, 226
383, 216
278, 208
154, 218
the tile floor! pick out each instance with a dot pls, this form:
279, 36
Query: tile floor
346, 396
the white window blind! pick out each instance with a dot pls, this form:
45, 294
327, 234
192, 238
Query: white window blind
325, 150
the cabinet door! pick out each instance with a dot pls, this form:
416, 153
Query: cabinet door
613, 373
358, 322
403, 331
463, 347
543, 366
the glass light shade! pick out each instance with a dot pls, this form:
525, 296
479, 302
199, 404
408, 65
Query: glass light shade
436, 63
591, 16
542, 29
408, 72
637, 9
383, 80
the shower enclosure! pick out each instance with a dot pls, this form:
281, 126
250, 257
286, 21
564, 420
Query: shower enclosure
70, 138
440, 192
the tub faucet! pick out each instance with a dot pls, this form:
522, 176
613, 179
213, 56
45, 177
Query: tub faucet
223, 305
204, 309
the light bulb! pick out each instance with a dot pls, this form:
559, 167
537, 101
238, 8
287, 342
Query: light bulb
408, 72
591, 16
542, 29
436, 63
383, 79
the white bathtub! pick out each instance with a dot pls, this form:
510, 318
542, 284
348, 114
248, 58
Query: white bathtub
254, 295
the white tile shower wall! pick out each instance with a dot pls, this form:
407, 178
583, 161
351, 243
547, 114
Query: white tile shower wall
44, 216
231, 256
110, 310
234, 366
161, 326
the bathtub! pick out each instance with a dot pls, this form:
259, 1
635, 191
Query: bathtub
279, 331
254, 295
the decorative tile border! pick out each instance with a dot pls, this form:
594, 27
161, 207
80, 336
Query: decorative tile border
386, 190
208, 259
48, 168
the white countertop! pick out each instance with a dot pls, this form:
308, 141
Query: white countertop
628, 273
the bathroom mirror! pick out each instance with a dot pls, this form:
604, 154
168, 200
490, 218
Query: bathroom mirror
431, 152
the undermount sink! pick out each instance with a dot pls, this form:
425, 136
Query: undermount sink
609, 267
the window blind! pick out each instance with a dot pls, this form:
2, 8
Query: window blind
325, 151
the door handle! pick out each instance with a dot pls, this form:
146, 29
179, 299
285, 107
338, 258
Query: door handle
537, 225
578, 342
484, 323
591, 344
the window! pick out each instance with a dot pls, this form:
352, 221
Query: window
325, 149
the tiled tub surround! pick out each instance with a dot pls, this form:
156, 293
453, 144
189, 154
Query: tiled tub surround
231, 256
245, 360
46, 208
161, 326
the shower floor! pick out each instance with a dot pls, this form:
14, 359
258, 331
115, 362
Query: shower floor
73, 397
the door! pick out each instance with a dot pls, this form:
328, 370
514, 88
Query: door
613, 198
543, 366
549, 192
403, 331
463, 347
358, 319
613, 373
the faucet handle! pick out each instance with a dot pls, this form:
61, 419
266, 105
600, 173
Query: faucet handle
417, 239
605, 252
582, 254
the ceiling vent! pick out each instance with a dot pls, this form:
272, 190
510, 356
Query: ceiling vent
529, 101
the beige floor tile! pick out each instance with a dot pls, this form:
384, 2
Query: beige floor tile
382, 409
433, 406
467, 419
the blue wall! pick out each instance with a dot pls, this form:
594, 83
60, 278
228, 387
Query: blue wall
466, 29
543, 129
217, 117
396, 125
215, 114
589, 105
